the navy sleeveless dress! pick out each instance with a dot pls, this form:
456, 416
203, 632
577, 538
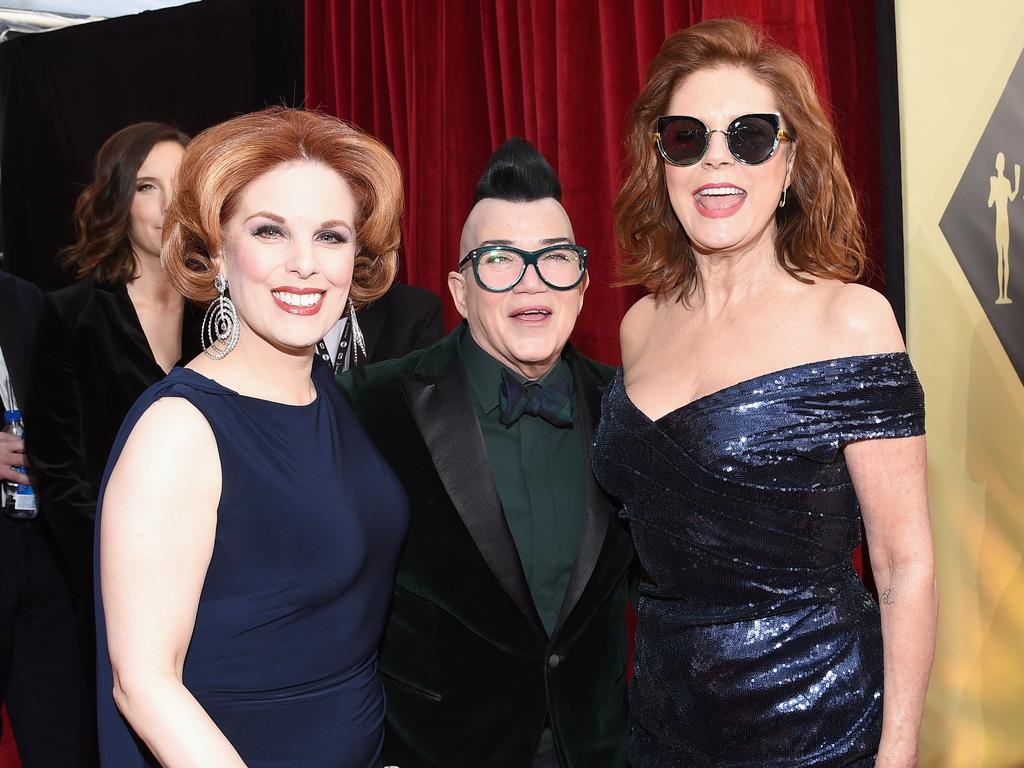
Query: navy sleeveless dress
284, 653
757, 646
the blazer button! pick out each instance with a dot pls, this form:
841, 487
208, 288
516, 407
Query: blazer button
553, 660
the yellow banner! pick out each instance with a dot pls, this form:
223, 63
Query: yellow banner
961, 83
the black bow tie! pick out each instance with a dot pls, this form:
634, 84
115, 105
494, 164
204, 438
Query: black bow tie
552, 402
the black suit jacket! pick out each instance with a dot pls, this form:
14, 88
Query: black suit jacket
91, 362
19, 310
470, 672
404, 319
43, 681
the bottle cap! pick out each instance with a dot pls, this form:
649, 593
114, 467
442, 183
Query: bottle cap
12, 416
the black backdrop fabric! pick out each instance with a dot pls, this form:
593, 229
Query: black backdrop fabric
62, 93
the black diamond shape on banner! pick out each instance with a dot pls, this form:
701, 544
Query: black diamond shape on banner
984, 227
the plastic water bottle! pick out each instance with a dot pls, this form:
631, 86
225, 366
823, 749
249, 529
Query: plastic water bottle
19, 499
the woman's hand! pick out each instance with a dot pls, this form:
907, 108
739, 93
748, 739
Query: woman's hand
12, 454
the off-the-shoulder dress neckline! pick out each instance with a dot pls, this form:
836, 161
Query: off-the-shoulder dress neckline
620, 377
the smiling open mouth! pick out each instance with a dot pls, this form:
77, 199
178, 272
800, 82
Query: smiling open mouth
531, 314
298, 299
305, 303
719, 198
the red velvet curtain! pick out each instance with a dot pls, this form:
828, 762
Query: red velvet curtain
444, 83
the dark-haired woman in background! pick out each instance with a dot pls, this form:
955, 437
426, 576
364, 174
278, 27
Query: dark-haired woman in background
766, 402
102, 341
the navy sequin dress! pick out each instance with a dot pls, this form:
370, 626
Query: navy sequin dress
283, 656
757, 646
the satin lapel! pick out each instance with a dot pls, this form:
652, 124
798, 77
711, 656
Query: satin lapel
119, 308
600, 510
444, 412
12, 338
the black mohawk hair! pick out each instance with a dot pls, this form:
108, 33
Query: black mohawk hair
517, 172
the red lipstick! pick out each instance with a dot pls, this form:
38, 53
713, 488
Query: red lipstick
300, 308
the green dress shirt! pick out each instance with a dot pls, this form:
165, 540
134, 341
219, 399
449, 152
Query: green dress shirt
540, 473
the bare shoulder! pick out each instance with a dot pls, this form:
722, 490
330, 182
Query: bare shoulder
640, 326
171, 422
860, 321
171, 447
636, 327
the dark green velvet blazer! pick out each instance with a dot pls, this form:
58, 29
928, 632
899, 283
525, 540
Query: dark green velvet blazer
470, 673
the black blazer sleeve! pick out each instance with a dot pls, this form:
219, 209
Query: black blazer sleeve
55, 443
19, 312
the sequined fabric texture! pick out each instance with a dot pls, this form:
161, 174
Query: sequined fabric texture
756, 646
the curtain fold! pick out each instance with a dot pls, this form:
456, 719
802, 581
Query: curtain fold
445, 83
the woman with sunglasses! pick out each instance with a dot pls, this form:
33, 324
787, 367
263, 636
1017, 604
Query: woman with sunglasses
765, 407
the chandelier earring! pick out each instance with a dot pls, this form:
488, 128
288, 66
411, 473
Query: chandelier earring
220, 323
357, 333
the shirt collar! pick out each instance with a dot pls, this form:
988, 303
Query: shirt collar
484, 372
332, 339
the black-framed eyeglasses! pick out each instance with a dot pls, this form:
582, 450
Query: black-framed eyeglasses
752, 139
499, 268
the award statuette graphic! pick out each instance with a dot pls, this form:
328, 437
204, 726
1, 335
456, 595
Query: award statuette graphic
988, 239
1000, 195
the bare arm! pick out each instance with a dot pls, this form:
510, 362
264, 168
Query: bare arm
889, 477
157, 532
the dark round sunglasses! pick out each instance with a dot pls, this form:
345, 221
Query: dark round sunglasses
499, 268
752, 139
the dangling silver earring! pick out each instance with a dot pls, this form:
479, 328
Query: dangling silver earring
357, 332
782, 202
220, 323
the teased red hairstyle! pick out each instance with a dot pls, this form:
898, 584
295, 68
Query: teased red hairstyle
222, 160
820, 232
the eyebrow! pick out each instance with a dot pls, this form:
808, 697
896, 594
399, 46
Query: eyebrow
280, 220
266, 215
543, 241
335, 223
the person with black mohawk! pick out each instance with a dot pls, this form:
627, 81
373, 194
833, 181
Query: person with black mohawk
506, 644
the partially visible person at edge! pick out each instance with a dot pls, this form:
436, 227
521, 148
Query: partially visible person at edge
102, 341
404, 319
505, 646
765, 405
248, 529
45, 678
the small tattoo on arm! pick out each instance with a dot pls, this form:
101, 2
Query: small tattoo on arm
887, 597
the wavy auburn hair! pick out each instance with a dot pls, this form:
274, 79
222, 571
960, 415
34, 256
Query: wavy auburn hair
224, 159
103, 209
820, 232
